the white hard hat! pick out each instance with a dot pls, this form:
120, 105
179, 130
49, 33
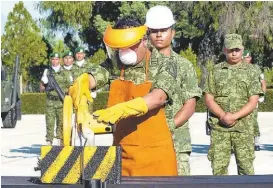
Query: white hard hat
159, 17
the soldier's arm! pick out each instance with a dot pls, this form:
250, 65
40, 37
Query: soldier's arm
44, 80
248, 108
163, 89
263, 85
193, 92
162, 92
262, 80
209, 92
92, 82
42, 87
98, 76
182, 116
156, 98
213, 106
254, 92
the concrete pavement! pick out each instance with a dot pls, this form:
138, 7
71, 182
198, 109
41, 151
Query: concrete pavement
20, 147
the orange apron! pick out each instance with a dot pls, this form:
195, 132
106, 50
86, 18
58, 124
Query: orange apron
147, 146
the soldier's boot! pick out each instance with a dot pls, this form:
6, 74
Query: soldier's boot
257, 144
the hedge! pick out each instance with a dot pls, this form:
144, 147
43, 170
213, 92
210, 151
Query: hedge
34, 103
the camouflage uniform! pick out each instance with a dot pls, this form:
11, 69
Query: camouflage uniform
54, 106
255, 111
186, 78
100, 74
231, 86
71, 73
177, 77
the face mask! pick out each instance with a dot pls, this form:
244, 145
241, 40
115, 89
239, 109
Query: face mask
128, 57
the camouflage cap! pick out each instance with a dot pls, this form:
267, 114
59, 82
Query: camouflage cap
233, 41
68, 53
55, 54
246, 53
79, 49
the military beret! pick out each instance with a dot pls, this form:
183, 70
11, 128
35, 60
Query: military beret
233, 41
79, 49
246, 53
55, 54
68, 53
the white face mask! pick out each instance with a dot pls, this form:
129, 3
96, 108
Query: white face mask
128, 56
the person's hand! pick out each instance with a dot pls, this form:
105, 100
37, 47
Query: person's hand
261, 99
228, 119
135, 107
94, 94
44, 77
79, 89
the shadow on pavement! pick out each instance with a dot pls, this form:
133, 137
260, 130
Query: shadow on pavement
200, 148
34, 149
267, 147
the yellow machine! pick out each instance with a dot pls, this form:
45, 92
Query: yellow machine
79, 98
69, 163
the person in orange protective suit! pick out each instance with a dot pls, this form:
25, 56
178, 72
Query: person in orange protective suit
137, 100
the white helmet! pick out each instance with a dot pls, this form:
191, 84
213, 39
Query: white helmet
159, 17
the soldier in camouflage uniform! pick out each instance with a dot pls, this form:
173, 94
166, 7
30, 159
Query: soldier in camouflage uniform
232, 91
98, 75
54, 105
69, 66
160, 22
260, 75
165, 92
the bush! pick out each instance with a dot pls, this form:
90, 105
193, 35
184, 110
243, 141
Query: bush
267, 105
34, 103
268, 73
101, 100
190, 55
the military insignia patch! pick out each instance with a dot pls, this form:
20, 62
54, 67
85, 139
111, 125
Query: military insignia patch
172, 69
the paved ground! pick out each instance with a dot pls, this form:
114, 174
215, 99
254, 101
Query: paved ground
21, 146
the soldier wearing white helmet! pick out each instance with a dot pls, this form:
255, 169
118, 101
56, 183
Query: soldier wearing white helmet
160, 22
159, 17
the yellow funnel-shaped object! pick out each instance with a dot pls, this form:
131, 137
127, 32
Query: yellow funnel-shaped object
80, 88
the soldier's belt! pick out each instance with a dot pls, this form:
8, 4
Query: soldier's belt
70, 164
53, 98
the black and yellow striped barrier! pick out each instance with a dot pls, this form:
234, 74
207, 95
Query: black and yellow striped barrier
70, 164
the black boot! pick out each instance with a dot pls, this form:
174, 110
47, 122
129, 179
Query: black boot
257, 144
257, 148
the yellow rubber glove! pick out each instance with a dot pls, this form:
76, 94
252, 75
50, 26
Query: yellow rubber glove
135, 107
79, 89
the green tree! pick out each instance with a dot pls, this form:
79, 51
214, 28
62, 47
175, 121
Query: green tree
22, 36
87, 19
201, 24
66, 15
59, 46
98, 57
269, 77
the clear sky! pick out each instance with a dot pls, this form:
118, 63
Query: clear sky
7, 6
